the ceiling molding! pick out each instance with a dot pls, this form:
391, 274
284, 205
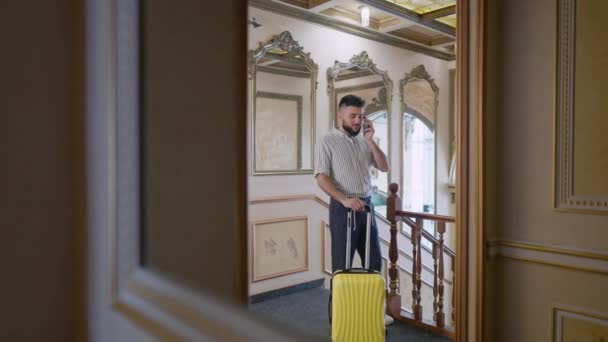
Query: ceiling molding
275, 7
396, 25
442, 12
442, 41
423, 38
388, 24
403, 12
299, 3
413, 35
341, 12
319, 5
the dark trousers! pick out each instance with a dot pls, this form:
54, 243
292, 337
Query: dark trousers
337, 226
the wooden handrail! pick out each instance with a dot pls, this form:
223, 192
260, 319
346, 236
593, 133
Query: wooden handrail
415, 220
425, 216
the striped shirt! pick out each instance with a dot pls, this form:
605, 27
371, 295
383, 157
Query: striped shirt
346, 161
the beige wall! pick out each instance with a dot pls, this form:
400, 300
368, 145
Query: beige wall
40, 142
521, 110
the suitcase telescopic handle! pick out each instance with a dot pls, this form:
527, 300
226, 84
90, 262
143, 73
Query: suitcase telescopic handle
350, 220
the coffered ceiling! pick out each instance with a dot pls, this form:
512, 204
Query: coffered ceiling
430, 24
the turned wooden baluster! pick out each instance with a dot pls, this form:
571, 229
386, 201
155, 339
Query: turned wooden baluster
440, 314
435, 293
416, 272
394, 296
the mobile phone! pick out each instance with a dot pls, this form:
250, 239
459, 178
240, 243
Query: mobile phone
365, 124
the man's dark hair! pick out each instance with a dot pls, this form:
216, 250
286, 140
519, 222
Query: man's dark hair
351, 101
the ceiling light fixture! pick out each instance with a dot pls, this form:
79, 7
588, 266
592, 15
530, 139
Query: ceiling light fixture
364, 16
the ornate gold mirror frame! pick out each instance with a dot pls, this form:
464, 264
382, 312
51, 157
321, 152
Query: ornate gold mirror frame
283, 42
362, 62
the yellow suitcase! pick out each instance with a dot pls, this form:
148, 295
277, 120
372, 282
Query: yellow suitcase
357, 299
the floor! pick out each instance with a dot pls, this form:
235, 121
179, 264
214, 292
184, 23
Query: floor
306, 312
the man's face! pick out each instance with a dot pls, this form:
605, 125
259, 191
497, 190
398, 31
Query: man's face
352, 119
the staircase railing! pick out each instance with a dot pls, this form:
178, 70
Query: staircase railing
415, 221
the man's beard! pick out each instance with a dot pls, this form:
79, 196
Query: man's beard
350, 130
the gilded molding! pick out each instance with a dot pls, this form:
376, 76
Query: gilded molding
252, 261
418, 73
558, 311
377, 103
285, 42
564, 197
561, 257
283, 72
581, 253
360, 61
324, 228
554, 264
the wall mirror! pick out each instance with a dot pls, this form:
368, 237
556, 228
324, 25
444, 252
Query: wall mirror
283, 81
360, 76
419, 102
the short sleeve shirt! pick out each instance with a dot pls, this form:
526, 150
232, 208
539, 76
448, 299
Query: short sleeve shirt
346, 160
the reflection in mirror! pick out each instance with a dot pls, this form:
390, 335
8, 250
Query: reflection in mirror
452, 136
418, 163
282, 96
419, 100
361, 77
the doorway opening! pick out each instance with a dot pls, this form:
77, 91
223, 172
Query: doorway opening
303, 58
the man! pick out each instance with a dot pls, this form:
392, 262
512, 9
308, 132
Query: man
343, 161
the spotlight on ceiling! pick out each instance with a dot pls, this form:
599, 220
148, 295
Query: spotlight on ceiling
364, 16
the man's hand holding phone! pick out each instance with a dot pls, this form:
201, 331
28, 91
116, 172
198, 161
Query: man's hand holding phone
368, 130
